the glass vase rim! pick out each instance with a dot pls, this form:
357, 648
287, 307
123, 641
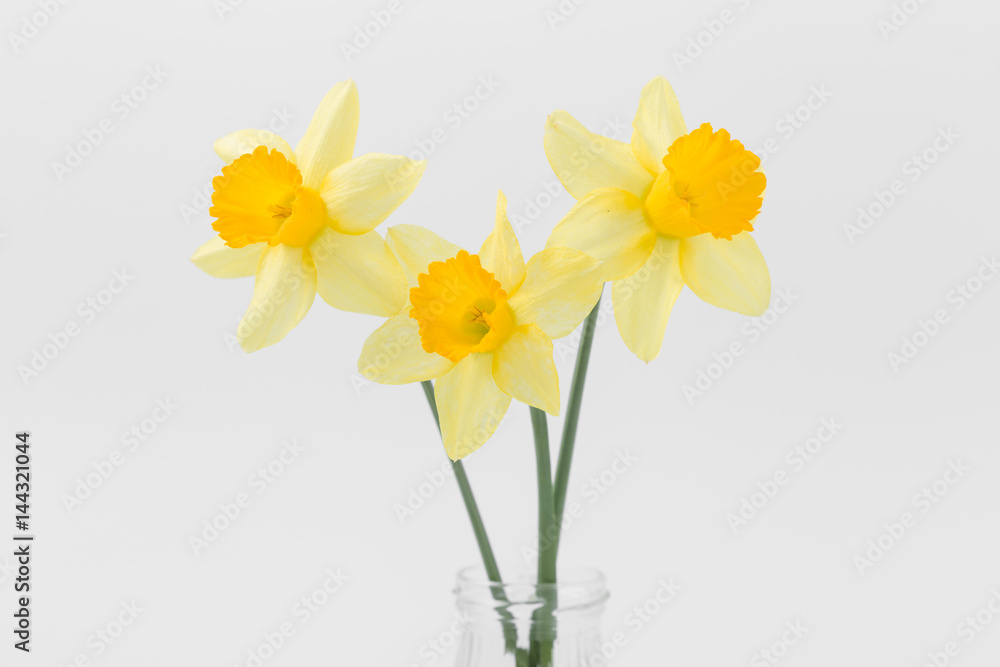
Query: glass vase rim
580, 577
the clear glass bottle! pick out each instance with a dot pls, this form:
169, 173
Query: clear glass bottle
524, 624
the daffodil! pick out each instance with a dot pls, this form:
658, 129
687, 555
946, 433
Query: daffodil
669, 209
480, 325
301, 221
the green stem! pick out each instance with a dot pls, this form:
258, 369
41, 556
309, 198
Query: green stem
543, 623
572, 419
546, 506
479, 528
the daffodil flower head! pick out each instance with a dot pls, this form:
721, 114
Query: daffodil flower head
481, 325
670, 208
460, 308
260, 199
709, 185
302, 221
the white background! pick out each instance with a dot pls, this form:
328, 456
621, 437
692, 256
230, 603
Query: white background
168, 334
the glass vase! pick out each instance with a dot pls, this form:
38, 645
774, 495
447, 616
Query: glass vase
525, 624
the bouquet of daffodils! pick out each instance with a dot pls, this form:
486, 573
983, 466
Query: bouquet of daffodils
670, 208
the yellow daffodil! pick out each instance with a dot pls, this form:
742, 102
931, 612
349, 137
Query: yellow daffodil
481, 325
302, 221
672, 208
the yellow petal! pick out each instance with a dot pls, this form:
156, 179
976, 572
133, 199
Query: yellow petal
560, 288
584, 161
393, 354
217, 259
610, 226
501, 253
417, 248
523, 367
643, 300
358, 273
242, 142
727, 274
470, 404
283, 292
657, 124
362, 192
329, 139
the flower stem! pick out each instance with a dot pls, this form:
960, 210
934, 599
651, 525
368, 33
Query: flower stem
543, 622
478, 527
546, 506
570, 425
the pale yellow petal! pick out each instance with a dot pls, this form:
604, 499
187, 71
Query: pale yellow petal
523, 367
643, 300
242, 142
560, 288
358, 273
329, 139
584, 161
469, 404
609, 225
501, 253
283, 292
417, 247
393, 354
219, 260
657, 124
727, 274
362, 192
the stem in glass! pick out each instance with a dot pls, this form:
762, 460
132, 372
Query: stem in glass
479, 528
543, 625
